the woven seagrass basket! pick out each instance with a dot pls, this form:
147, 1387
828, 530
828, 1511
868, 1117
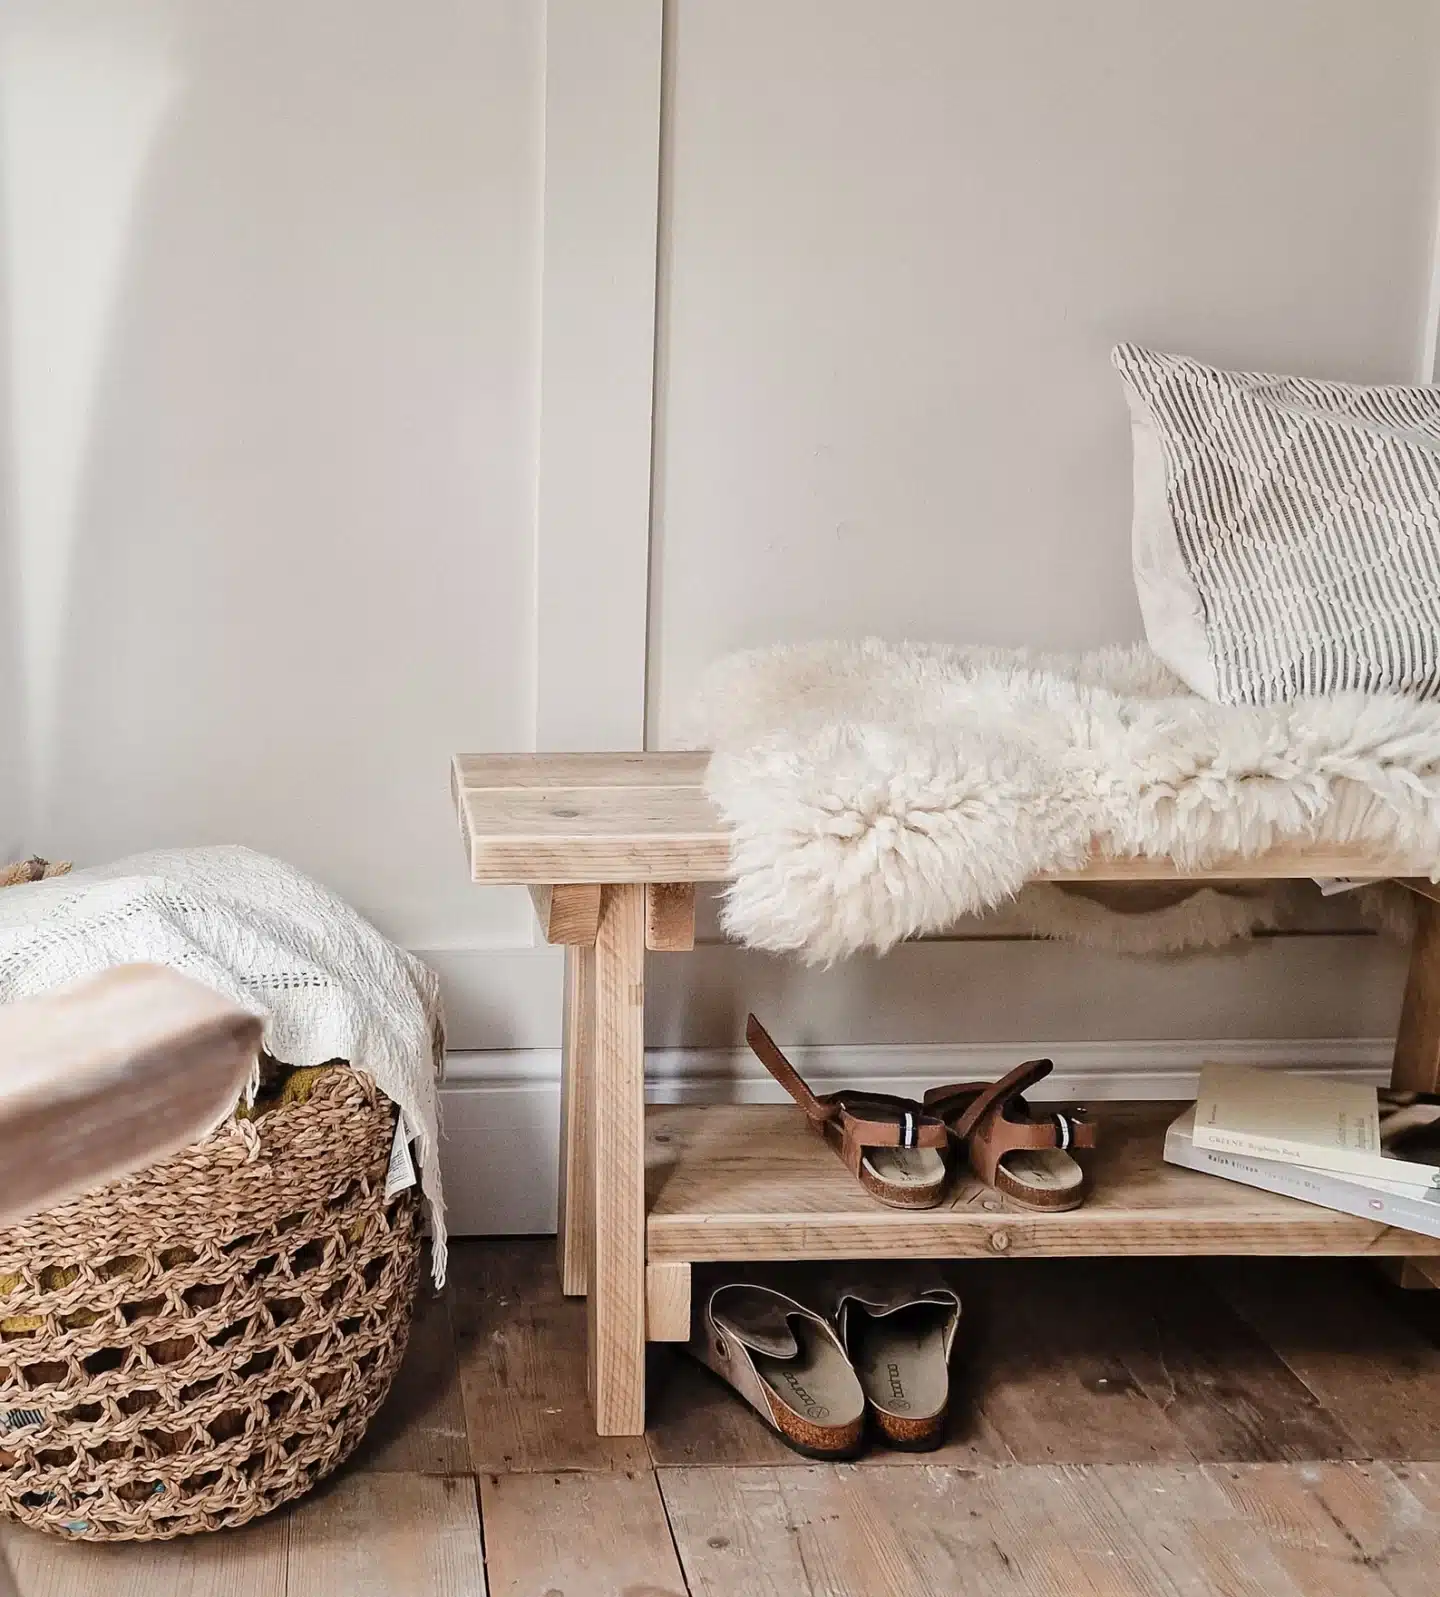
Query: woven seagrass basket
196, 1344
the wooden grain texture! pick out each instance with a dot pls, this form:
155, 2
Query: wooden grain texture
142, 1057
537, 818
1180, 1530
736, 1532
388, 1536
1261, 1530
667, 1302
1227, 1393
751, 1181
1051, 1368
630, 834
520, 1346
1405, 1546
1371, 1368
1417, 1042
250, 1562
792, 1533
897, 1532
420, 1429
583, 1534
568, 912
670, 917
1193, 1533
577, 1064
521, 773
1330, 1528
616, 1132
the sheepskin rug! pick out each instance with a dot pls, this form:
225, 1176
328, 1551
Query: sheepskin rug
881, 791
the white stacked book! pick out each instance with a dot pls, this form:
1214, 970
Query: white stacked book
1309, 1138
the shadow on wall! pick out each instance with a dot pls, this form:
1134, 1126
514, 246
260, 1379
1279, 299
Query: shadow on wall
247, 297
80, 115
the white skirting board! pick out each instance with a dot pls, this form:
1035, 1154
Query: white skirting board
500, 1109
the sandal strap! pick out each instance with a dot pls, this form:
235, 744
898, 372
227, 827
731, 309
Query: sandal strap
763, 1046
906, 1125
964, 1105
1053, 1129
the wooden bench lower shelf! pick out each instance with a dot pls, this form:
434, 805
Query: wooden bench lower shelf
753, 1182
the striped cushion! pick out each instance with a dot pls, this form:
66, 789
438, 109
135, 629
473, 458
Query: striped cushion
1287, 533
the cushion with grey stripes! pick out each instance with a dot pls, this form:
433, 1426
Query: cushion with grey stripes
1287, 532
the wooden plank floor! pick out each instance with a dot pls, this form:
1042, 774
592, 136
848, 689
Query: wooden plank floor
1123, 1428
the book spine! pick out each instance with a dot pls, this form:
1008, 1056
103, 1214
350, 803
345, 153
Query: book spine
1309, 1185
1343, 1161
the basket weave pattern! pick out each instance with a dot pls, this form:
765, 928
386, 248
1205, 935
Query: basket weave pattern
196, 1344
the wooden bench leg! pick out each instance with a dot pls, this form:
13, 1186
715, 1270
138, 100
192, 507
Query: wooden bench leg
1416, 1067
576, 1073
1417, 1043
615, 1126
667, 1302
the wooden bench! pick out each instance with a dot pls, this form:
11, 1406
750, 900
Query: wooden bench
611, 847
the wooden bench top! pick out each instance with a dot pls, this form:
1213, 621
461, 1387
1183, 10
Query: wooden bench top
544, 819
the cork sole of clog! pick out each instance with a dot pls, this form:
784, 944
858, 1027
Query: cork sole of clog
900, 1360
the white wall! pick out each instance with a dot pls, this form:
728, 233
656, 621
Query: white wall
902, 241
270, 319
287, 516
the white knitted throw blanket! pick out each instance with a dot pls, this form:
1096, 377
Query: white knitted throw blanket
327, 983
879, 791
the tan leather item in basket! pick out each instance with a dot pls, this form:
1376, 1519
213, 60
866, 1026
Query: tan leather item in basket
196, 1344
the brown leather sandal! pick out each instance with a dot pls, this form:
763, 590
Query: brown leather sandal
1023, 1154
891, 1145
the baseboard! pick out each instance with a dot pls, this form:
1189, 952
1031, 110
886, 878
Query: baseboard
501, 1107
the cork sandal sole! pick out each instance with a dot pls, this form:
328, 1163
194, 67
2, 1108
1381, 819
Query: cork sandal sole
1040, 1178
815, 1400
903, 1366
901, 1178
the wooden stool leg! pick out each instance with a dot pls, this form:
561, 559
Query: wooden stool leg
1417, 1043
615, 1123
1416, 1067
576, 1072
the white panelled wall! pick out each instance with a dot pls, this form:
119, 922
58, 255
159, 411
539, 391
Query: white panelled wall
384, 380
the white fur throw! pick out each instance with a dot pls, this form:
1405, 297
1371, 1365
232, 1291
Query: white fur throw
880, 791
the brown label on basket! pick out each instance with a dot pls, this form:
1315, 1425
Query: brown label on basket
401, 1173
